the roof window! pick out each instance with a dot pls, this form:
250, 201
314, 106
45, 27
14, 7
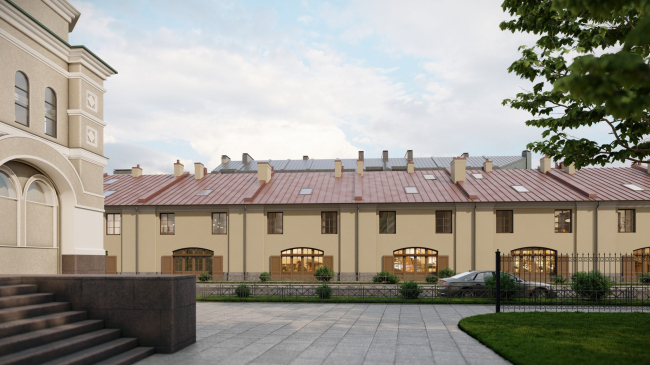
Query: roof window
429, 177
306, 191
108, 192
633, 187
110, 181
478, 176
411, 190
520, 189
204, 192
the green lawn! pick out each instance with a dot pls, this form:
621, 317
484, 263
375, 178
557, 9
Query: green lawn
564, 338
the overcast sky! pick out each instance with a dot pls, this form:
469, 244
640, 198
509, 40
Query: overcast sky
283, 79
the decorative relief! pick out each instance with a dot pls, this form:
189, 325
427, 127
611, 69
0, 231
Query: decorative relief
91, 101
91, 136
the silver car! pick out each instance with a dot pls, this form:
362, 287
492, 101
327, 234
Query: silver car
472, 284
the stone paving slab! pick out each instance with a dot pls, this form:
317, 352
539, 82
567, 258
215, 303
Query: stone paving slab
301, 333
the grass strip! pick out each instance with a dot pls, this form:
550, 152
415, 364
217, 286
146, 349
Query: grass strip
564, 338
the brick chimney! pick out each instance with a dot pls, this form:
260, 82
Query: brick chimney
264, 172
458, 169
361, 155
199, 171
338, 168
384, 156
178, 168
360, 167
410, 167
487, 165
225, 159
545, 164
570, 169
136, 171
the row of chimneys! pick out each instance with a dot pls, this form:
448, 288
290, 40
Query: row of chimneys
246, 158
199, 170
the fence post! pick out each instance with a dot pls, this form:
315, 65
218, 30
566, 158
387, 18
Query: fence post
498, 277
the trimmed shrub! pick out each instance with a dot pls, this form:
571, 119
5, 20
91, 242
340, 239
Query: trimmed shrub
204, 277
644, 278
431, 279
410, 290
381, 277
243, 291
265, 276
509, 285
324, 291
324, 273
446, 273
591, 285
559, 279
393, 279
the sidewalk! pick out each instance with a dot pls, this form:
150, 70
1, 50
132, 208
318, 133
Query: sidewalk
341, 334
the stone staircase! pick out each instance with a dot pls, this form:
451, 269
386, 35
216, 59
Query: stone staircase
34, 329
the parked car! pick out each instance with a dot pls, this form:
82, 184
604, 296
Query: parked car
472, 284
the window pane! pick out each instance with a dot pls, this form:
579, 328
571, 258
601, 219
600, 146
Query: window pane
21, 114
21, 81
50, 127
21, 98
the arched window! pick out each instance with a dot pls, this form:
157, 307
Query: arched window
50, 112
301, 260
415, 261
21, 99
642, 260
6, 187
40, 213
534, 260
38, 192
193, 261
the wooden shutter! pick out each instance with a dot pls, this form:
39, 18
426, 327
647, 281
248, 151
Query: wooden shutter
388, 263
443, 262
217, 267
328, 261
167, 265
275, 267
627, 268
111, 265
563, 265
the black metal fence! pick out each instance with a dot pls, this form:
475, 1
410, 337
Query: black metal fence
532, 280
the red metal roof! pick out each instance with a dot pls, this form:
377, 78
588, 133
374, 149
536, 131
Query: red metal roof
380, 187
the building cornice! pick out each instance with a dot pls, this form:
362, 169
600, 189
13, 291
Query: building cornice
85, 155
83, 113
66, 11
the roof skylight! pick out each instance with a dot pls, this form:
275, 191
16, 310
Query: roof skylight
108, 192
478, 176
411, 190
520, 189
306, 191
633, 187
204, 192
429, 177
110, 181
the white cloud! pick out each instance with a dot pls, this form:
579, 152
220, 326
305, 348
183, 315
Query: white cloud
125, 156
304, 19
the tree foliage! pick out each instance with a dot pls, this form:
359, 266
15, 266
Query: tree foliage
589, 66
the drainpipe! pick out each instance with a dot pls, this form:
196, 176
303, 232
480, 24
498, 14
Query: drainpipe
228, 251
474, 239
596, 243
137, 235
455, 228
356, 244
121, 242
338, 230
245, 211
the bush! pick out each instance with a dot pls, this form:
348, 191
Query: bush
431, 279
204, 277
324, 291
559, 279
410, 290
381, 277
446, 273
393, 279
644, 278
324, 273
243, 291
509, 285
265, 276
591, 285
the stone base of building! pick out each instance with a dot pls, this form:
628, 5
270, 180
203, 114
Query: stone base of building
84, 264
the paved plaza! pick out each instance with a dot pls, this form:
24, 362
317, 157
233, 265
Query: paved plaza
341, 334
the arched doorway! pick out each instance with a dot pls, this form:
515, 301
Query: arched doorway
192, 261
299, 264
641, 260
415, 263
534, 263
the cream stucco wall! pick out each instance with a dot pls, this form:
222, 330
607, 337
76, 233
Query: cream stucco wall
8, 222
28, 260
39, 225
44, 14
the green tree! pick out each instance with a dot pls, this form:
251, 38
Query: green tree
607, 83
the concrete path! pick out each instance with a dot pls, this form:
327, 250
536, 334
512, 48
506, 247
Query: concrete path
341, 334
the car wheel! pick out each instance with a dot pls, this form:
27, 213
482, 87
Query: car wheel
540, 293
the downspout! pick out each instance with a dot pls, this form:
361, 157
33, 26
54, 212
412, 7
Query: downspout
356, 244
455, 242
137, 235
245, 242
228, 249
338, 230
596, 241
474, 238
121, 244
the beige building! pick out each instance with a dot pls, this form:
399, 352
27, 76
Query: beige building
360, 222
51, 142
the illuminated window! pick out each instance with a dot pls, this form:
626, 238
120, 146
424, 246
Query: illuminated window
443, 221
328, 223
642, 260
301, 260
219, 223
167, 223
535, 260
113, 224
387, 222
192, 261
415, 260
626, 220
274, 222
563, 221
504, 221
